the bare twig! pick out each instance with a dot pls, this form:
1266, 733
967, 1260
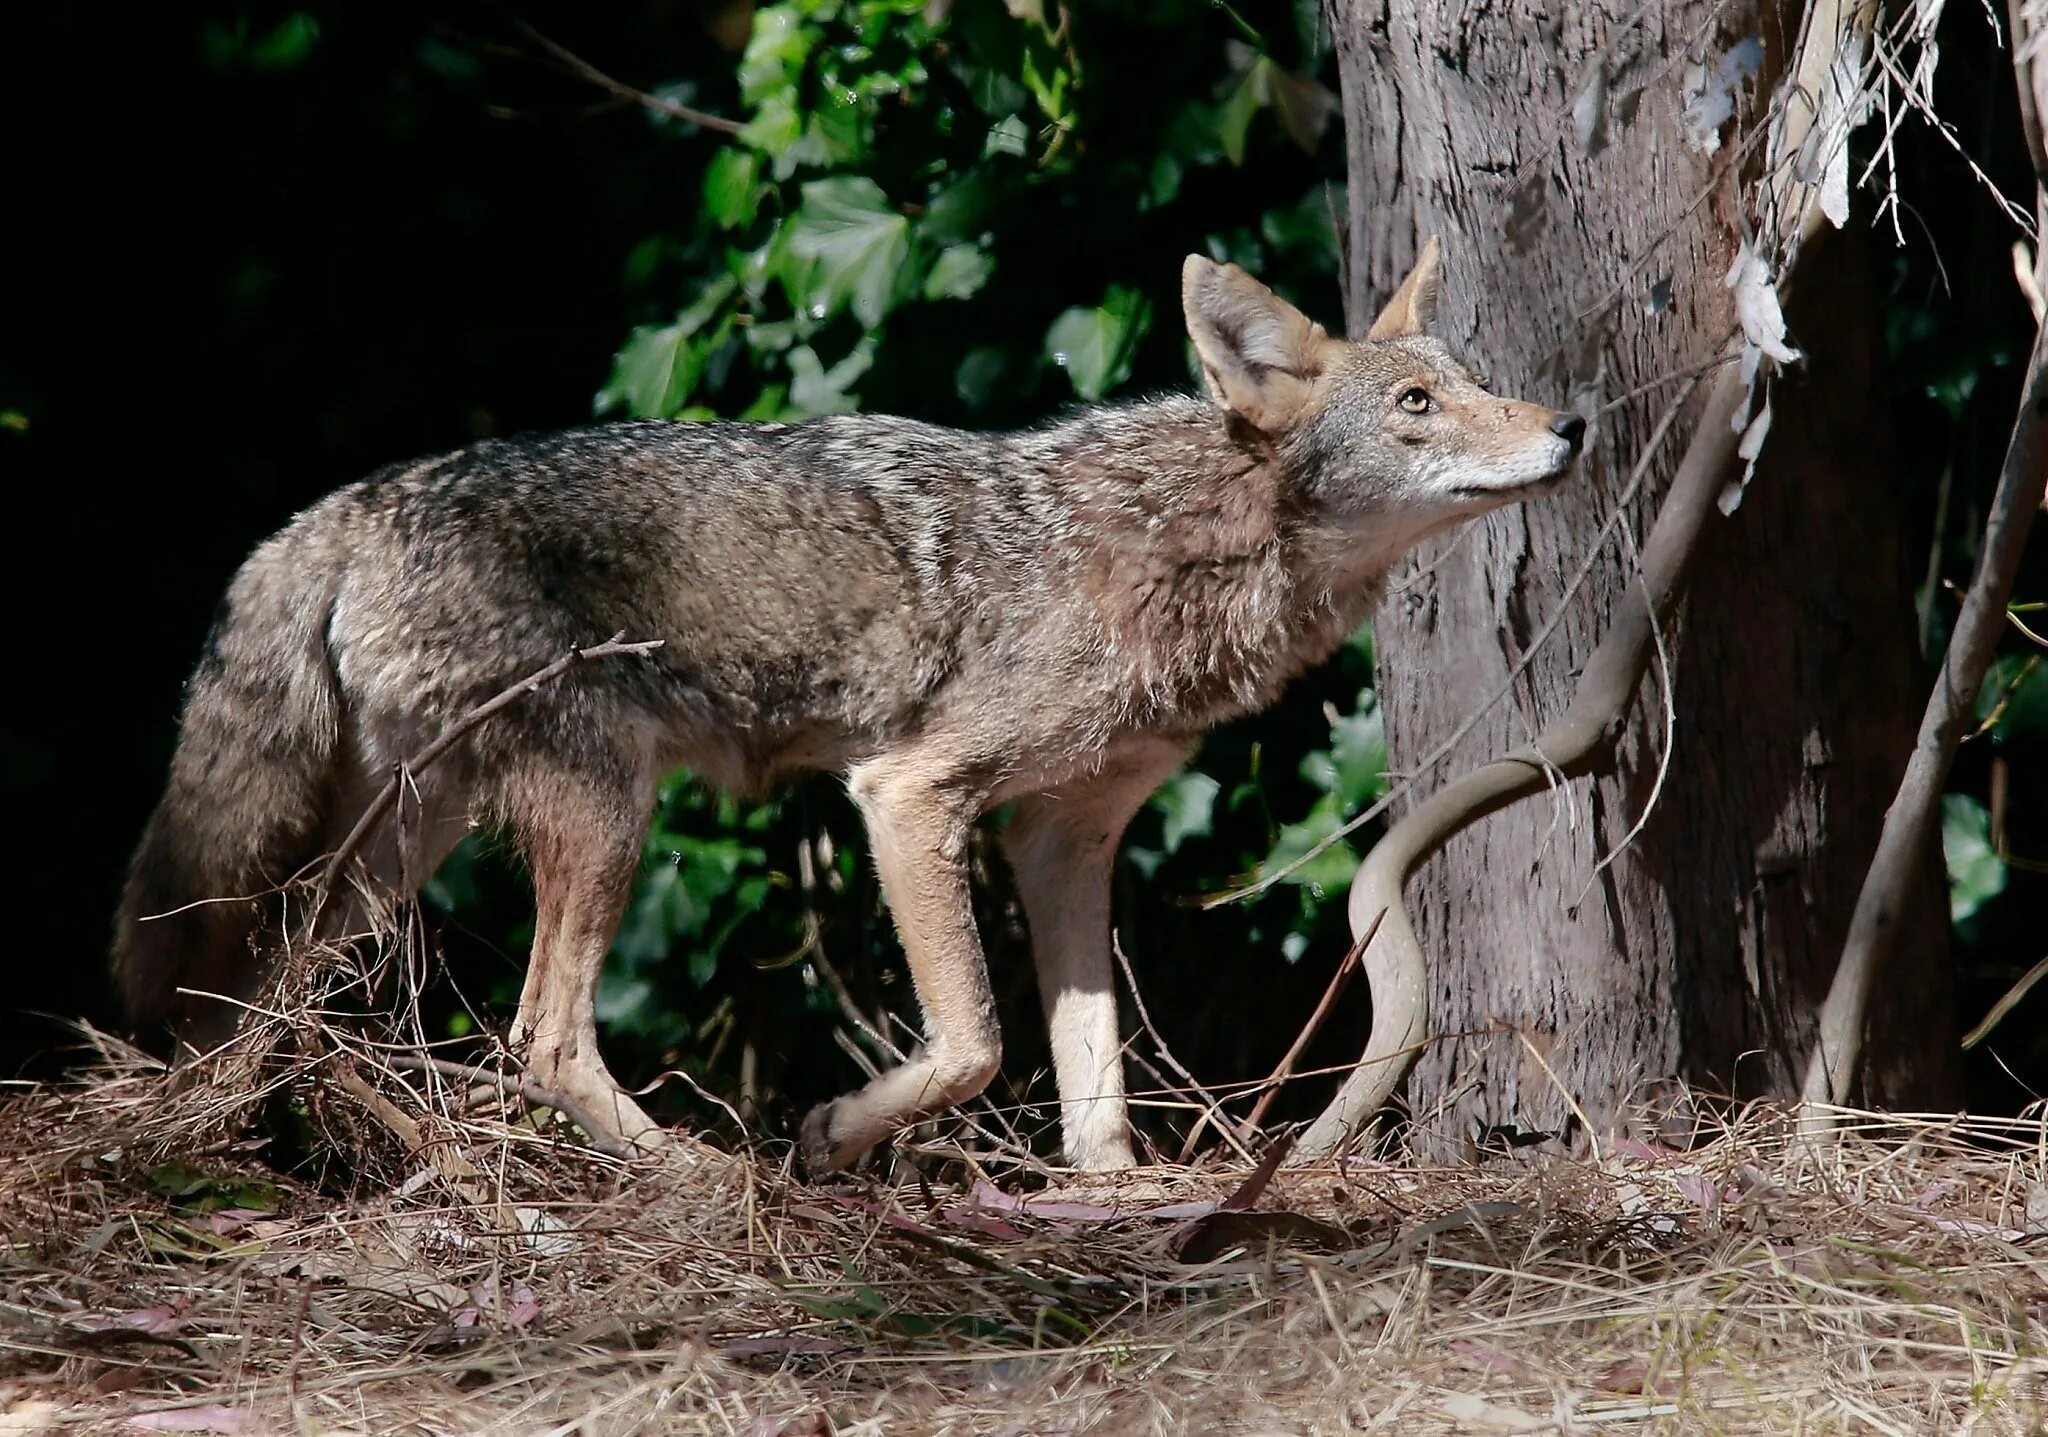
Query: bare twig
1909, 824
661, 105
1212, 1106
851, 1010
518, 1085
2029, 41
1339, 980
330, 876
2005, 1005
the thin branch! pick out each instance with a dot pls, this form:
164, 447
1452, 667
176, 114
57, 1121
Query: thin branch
1212, 1112
2028, 36
2005, 1005
330, 876
518, 1085
1910, 823
584, 70
851, 1010
1339, 980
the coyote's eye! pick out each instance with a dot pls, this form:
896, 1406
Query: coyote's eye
1415, 401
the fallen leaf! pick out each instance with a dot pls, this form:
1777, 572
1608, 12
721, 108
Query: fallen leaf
1699, 1190
545, 1233
1471, 1407
208, 1417
982, 1223
158, 1321
26, 1419
1486, 1359
1210, 1236
741, 1349
1630, 1377
229, 1221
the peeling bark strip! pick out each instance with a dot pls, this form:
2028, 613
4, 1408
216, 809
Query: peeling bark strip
1584, 271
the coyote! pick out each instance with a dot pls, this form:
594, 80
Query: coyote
1049, 618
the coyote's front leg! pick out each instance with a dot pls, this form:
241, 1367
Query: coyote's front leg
919, 825
1062, 850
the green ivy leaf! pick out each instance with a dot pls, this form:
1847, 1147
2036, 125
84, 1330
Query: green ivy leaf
1096, 346
1976, 874
1187, 806
994, 93
1164, 181
840, 124
775, 130
1251, 94
961, 270
859, 244
1329, 872
1046, 76
776, 50
1306, 228
1009, 136
1357, 757
645, 373
655, 372
960, 213
815, 389
289, 45
979, 374
732, 187
2014, 699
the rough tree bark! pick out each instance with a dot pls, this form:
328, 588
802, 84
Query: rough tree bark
1587, 238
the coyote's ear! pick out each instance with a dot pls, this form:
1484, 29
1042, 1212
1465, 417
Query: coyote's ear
1259, 353
1413, 308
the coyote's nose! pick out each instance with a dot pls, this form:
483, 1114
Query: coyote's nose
1571, 428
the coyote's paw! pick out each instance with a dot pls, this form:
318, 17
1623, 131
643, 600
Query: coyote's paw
1110, 1156
823, 1146
590, 1099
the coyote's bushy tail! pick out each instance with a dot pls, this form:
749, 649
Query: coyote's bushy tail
248, 785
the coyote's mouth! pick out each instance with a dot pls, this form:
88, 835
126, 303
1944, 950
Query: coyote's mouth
1525, 489
1508, 489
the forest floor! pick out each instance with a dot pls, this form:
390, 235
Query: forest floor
465, 1273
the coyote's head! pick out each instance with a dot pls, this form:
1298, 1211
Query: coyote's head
1391, 434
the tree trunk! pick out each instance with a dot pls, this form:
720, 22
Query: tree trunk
1586, 241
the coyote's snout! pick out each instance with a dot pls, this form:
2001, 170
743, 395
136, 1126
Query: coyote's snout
953, 621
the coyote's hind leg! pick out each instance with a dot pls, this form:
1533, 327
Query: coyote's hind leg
582, 835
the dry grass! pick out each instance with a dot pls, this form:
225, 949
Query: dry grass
459, 1273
